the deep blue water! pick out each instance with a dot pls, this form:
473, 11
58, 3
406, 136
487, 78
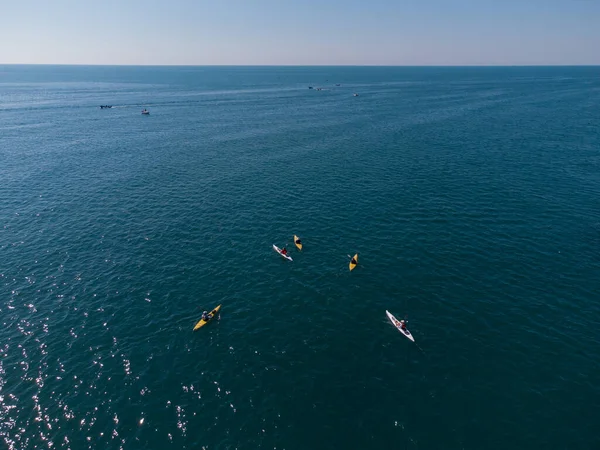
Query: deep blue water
472, 196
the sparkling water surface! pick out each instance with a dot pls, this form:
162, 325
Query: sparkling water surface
470, 194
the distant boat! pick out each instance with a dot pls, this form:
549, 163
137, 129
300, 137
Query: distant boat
318, 89
338, 84
355, 94
145, 112
310, 87
105, 106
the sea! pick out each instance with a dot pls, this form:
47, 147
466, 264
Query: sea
470, 194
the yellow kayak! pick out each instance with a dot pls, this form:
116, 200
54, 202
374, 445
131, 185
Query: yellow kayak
353, 262
298, 242
211, 314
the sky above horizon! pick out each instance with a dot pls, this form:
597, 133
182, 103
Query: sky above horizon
285, 32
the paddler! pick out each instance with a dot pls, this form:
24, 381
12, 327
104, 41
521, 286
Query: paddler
206, 316
284, 251
353, 261
403, 324
298, 241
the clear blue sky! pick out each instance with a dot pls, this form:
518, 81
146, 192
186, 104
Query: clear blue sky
330, 32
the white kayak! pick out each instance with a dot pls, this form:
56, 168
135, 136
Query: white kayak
278, 250
398, 325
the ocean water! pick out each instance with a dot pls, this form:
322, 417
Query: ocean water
472, 196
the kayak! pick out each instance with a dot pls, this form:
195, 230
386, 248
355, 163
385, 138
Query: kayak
278, 250
397, 324
212, 315
352, 265
298, 242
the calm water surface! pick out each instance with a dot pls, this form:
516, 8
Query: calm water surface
470, 194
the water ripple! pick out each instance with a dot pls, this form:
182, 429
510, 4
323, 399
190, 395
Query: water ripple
471, 200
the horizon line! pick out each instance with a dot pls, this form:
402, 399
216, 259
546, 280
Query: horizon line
298, 65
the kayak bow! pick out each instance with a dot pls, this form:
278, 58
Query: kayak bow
353, 262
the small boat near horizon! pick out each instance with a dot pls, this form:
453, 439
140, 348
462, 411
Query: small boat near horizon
145, 112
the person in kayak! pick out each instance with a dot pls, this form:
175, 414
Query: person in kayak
206, 316
284, 251
298, 241
403, 324
353, 261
